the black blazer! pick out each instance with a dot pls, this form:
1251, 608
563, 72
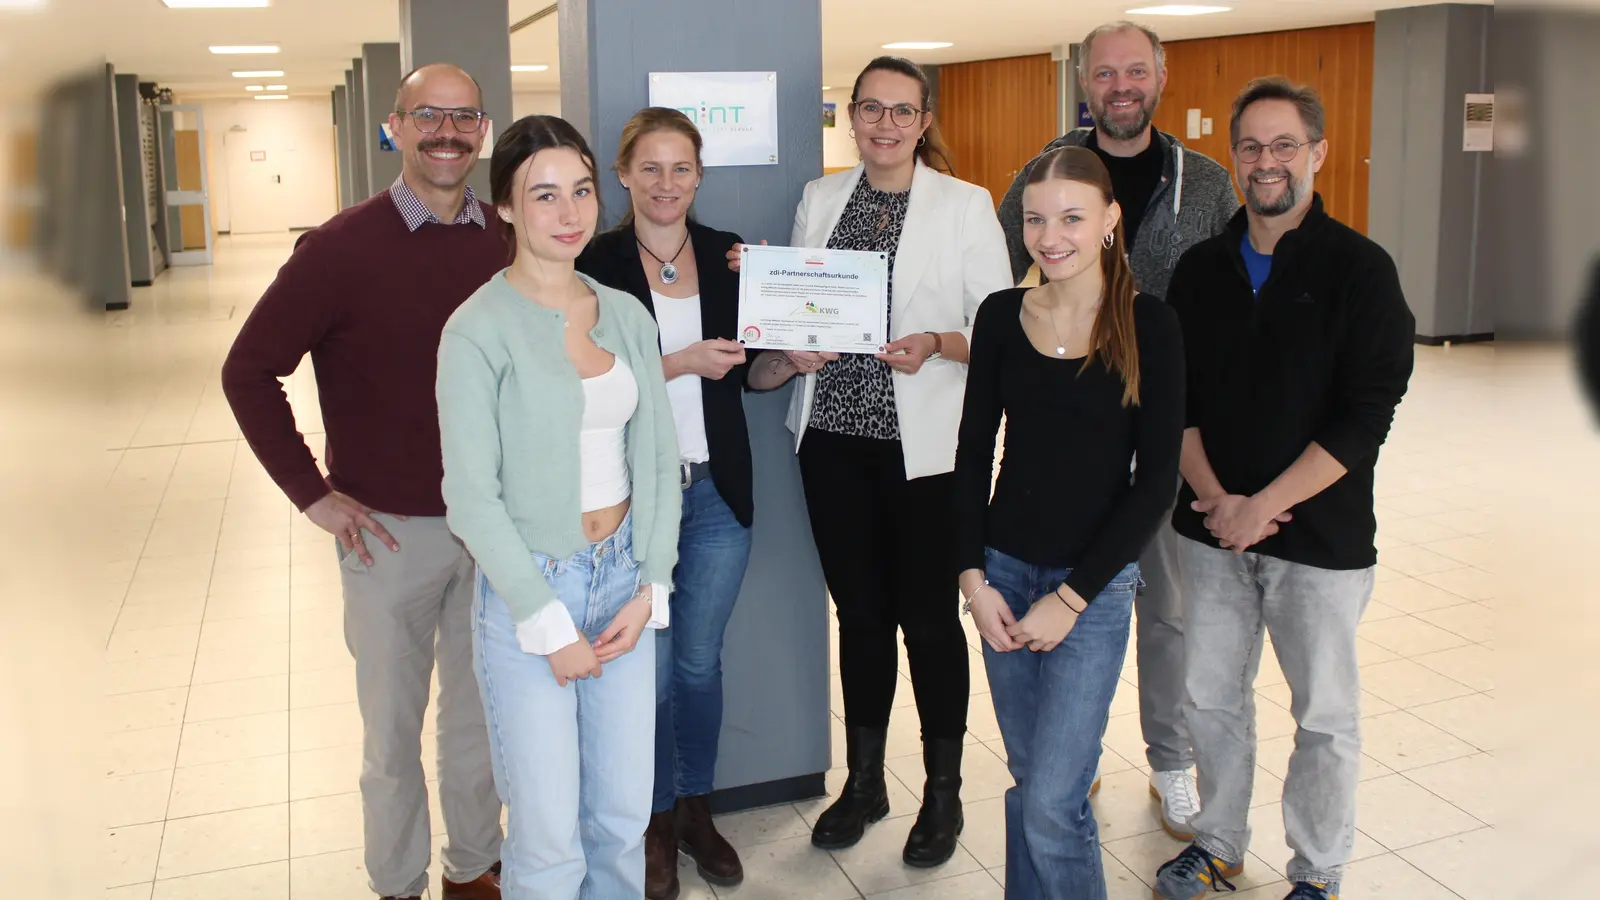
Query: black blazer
612, 258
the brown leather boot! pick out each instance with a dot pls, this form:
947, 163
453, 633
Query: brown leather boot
661, 857
714, 857
484, 887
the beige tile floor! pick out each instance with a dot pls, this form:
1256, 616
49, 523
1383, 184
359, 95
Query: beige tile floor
232, 737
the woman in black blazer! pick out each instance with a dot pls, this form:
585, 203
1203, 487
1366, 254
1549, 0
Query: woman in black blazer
678, 269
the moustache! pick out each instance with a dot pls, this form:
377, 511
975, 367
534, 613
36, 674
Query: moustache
444, 144
1269, 173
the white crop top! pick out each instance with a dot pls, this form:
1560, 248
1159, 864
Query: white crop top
609, 400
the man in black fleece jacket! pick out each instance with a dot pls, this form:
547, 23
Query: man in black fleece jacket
1299, 348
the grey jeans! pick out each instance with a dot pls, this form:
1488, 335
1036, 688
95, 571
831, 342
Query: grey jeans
1158, 613
1312, 616
408, 607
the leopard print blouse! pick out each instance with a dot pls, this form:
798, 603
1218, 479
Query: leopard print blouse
855, 394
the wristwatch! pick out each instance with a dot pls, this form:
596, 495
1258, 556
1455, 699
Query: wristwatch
938, 345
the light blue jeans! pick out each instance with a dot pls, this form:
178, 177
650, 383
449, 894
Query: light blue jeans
1312, 615
574, 765
1052, 709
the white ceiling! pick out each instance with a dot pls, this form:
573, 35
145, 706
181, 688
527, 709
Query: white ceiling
319, 37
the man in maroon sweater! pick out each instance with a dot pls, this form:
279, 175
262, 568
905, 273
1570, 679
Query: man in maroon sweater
367, 295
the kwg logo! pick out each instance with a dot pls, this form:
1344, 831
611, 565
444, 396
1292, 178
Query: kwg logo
812, 307
713, 115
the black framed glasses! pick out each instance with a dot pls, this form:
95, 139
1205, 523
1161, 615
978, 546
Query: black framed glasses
1283, 150
903, 115
429, 119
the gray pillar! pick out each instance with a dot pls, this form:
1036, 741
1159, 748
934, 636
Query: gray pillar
775, 737
140, 236
112, 280
1427, 195
359, 137
341, 131
1546, 61
381, 74
475, 36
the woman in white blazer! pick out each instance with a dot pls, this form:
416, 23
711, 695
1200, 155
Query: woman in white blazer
876, 436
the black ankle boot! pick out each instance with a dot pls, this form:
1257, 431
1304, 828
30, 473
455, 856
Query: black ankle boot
933, 839
865, 798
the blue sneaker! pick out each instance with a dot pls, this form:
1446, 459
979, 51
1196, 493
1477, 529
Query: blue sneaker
1313, 890
1193, 873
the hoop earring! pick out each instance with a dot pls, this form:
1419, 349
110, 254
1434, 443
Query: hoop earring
852, 132
922, 140
1110, 239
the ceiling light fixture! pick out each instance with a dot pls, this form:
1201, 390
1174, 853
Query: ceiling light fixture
530, 68
254, 87
918, 45
216, 4
241, 49
277, 87
264, 73
272, 96
1177, 9
827, 87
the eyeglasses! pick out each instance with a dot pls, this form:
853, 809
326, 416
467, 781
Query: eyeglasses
903, 115
429, 119
1283, 150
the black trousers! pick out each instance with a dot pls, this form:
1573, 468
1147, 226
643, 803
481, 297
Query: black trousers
888, 554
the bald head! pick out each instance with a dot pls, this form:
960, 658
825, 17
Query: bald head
434, 78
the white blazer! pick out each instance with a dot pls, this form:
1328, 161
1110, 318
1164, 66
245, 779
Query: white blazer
951, 256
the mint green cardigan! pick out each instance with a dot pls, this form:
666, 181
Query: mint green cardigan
510, 409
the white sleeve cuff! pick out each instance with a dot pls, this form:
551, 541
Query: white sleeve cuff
548, 631
552, 627
660, 614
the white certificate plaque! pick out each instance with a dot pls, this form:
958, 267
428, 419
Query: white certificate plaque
802, 298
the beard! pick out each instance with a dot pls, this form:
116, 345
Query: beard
1124, 131
1294, 189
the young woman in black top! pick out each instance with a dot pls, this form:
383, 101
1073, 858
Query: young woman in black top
677, 268
1089, 376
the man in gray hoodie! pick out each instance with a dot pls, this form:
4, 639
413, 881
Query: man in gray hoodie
1171, 198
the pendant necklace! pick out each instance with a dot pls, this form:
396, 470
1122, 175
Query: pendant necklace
1061, 346
669, 272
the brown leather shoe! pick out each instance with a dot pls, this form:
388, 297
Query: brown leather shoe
661, 857
484, 887
698, 837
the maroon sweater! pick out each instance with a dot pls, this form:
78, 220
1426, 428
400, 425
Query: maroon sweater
367, 298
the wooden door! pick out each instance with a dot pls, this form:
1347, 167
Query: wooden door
186, 145
996, 114
1207, 74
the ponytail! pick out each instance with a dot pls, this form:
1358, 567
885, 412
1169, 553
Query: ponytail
1113, 325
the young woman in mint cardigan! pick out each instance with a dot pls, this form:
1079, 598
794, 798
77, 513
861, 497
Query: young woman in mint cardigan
561, 477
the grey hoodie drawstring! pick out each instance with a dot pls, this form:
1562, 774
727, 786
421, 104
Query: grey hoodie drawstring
1177, 187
